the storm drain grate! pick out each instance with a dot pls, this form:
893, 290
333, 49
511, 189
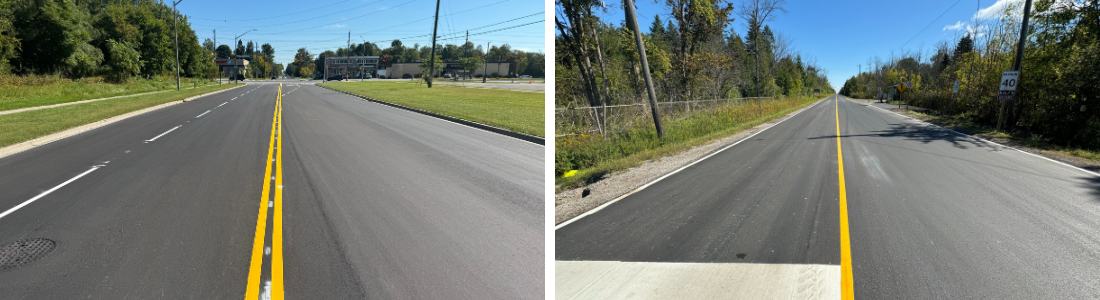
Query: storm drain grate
21, 252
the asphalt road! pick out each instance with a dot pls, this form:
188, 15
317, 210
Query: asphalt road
932, 214
376, 203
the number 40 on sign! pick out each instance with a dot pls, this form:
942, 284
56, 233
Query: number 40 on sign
1009, 81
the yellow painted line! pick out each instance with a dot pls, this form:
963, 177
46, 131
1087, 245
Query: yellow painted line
254, 269
846, 290
277, 236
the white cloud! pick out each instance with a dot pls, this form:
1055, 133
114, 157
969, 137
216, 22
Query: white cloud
336, 26
958, 25
995, 10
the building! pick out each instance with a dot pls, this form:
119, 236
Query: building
399, 70
228, 66
351, 66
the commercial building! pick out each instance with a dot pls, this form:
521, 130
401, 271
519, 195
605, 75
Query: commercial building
229, 66
399, 70
351, 66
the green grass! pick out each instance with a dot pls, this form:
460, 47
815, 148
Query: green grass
963, 123
20, 127
595, 155
30, 91
517, 111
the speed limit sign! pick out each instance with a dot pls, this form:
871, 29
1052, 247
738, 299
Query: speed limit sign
1009, 81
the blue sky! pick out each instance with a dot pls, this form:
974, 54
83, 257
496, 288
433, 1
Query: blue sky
324, 24
841, 35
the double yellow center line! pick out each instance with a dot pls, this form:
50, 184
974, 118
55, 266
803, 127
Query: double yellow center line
846, 287
275, 147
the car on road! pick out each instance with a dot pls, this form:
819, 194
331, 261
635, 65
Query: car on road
336, 77
240, 77
273, 77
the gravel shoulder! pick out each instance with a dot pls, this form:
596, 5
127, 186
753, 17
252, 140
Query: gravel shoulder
573, 202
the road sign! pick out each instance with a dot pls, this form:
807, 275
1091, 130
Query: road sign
1009, 80
901, 87
956, 89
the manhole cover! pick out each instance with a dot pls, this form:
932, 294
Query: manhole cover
21, 252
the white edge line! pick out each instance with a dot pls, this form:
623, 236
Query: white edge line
43, 194
602, 206
985, 140
162, 134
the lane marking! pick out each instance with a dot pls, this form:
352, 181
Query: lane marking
162, 134
202, 114
223, 103
602, 206
846, 291
253, 288
47, 192
277, 236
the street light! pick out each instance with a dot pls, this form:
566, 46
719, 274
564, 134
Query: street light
235, 39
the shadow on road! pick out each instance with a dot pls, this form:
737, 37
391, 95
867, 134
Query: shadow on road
1092, 183
924, 134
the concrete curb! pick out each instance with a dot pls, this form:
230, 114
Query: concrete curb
497, 130
43, 140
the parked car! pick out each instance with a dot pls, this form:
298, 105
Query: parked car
525, 76
366, 76
240, 77
446, 75
273, 77
407, 76
337, 77
510, 76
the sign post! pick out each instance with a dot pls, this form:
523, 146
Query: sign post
1009, 81
954, 95
901, 88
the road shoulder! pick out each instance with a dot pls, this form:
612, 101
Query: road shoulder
571, 203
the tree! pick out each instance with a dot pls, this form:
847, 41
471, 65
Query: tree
208, 45
472, 63
966, 44
124, 62
756, 13
224, 51
436, 67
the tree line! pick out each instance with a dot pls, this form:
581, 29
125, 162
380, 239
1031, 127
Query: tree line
1058, 96
111, 38
520, 62
696, 55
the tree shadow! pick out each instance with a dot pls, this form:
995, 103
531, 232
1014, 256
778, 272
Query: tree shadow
924, 134
1092, 183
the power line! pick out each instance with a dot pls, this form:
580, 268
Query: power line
293, 13
930, 24
349, 19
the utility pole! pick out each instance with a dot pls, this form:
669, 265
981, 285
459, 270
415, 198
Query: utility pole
431, 59
485, 72
176, 34
235, 39
216, 55
1019, 60
632, 18
465, 55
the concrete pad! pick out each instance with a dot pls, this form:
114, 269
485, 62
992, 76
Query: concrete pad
646, 280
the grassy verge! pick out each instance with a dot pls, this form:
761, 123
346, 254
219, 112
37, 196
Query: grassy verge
30, 91
20, 127
595, 155
517, 111
963, 124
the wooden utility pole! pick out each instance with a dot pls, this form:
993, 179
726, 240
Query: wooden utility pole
1019, 60
632, 18
431, 59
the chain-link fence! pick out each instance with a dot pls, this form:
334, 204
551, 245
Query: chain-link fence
617, 118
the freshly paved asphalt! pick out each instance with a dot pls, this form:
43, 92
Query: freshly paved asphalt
378, 203
932, 214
